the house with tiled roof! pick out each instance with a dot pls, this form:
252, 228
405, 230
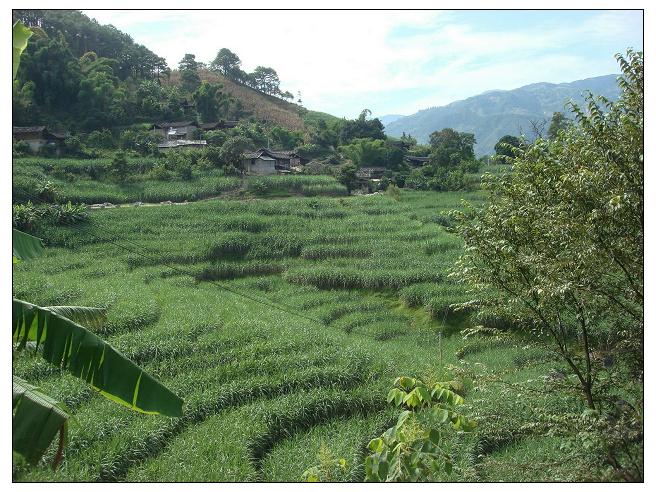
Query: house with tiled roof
267, 161
38, 136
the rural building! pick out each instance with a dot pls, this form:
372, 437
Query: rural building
367, 173
219, 125
176, 130
38, 136
415, 161
266, 161
177, 144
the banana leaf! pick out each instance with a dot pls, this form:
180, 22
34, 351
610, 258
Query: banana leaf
70, 346
37, 420
20, 35
88, 317
25, 247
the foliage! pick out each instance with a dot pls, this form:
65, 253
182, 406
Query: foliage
412, 449
506, 146
188, 68
347, 176
228, 64
70, 346
582, 191
211, 102
365, 152
558, 123
119, 167
37, 419
361, 127
329, 469
449, 148
20, 36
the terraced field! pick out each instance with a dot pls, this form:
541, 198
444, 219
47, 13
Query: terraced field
282, 324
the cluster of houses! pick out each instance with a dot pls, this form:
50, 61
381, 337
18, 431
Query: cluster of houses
180, 134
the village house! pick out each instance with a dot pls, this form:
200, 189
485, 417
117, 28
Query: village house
38, 136
367, 173
177, 135
176, 130
415, 161
218, 125
266, 161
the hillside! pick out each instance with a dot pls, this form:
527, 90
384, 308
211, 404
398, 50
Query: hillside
496, 113
259, 105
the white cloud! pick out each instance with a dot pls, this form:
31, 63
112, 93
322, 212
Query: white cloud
342, 60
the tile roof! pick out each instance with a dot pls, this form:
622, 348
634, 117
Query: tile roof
175, 124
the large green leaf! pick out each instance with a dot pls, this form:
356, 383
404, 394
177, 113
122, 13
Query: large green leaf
88, 317
71, 346
20, 35
25, 247
37, 420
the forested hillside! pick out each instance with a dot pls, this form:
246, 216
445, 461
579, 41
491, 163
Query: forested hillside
78, 75
493, 114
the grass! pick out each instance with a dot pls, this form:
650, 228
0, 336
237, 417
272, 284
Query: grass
89, 181
264, 387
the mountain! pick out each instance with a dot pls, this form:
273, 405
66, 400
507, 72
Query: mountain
389, 118
493, 114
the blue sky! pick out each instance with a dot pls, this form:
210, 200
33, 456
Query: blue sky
394, 62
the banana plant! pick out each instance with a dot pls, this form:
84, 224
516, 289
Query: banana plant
60, 335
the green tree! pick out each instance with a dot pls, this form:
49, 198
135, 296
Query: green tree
361, 128
227, 63
211, 102
450, 148
232, 151
558, 122
266, 80
188, 67
561, 239
51, 67
506, 146
347, 176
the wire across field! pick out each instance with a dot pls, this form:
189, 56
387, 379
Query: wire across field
282, 323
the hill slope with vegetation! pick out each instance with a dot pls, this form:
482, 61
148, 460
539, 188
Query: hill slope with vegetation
494, 114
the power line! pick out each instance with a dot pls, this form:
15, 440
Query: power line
150, 256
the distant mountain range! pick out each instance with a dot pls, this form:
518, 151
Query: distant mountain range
493, 114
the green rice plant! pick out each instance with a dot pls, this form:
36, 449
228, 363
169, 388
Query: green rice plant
226, 271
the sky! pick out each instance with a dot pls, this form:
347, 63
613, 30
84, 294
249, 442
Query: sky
393, 62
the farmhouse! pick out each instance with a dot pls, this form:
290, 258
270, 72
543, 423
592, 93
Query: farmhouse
366, 173
218, 125
176, 130
38, 136
176, 144
415, 161
266, 161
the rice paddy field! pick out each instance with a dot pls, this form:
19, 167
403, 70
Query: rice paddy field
283, 323
89, 181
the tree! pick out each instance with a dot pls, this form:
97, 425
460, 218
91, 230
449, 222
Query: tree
379, 153
347, 176
361, 128
506, 146
51, 67
266, 80
561, 239
189, 77
211, 102
232, 151
558, 122
227, 63
450, 148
